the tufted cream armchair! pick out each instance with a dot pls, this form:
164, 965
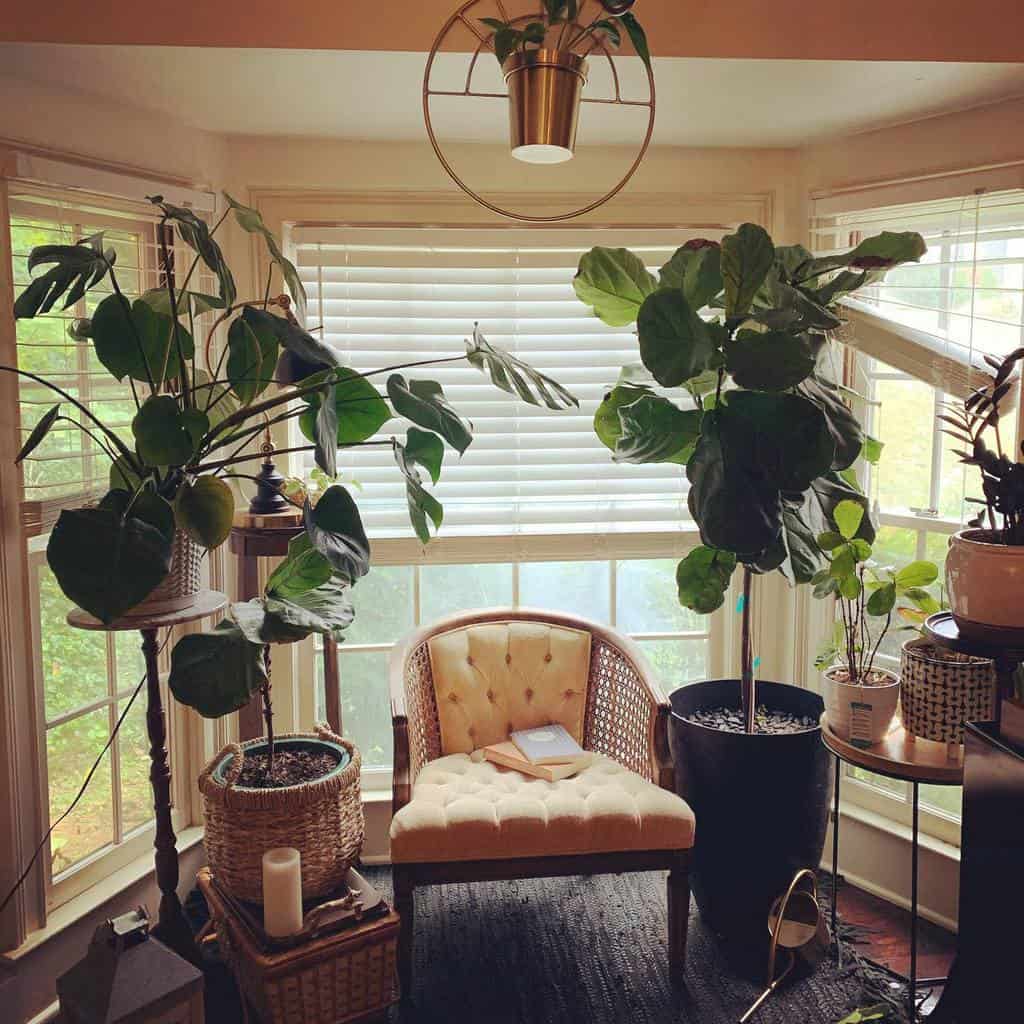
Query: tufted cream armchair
468, 681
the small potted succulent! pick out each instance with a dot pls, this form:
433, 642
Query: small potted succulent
861, 698
985, 564
543, 58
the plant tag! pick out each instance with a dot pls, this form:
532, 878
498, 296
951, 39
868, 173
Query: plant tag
860, 724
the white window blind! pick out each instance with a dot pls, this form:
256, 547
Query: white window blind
69, 467
391, 296
937, 319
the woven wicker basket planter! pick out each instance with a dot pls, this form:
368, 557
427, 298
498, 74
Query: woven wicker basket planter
943, 690
183, 582
323, 819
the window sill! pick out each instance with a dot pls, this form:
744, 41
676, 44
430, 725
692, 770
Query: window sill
84, 903
895, 828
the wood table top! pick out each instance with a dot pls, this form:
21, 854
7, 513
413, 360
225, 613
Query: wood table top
207, 603
901, 755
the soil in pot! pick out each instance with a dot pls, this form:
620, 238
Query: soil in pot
876, 677
290, 768
766, 722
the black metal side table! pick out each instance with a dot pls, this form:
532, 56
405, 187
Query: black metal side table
910, 759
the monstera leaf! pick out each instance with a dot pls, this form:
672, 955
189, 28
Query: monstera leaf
516, 377
702, 579
421, 451
218, 671
614, 283
105, 562
424, 403
359, 408
75, 269
336, 531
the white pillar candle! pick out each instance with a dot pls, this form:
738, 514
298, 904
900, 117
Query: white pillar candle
282, 891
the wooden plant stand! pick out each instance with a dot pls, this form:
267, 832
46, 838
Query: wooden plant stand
172, 928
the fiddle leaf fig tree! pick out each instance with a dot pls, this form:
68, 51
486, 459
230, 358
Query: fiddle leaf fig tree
198, 419
733, 337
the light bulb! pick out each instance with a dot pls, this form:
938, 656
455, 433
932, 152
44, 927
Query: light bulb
542, 154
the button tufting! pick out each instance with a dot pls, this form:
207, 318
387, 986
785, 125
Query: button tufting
547, 657
469, 659
569, 693
508, 659
529, 694
453, 697
490, 696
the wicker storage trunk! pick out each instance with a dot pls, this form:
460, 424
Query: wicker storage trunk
340, 978
322, 819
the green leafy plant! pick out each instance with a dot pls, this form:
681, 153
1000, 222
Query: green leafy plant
195, 426
864, 590
1002, 478
879, 1012
741, 397
573, 32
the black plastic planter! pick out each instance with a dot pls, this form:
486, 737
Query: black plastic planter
761, 803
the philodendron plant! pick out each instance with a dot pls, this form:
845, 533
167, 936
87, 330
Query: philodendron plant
740, 397
194, 426
865, 590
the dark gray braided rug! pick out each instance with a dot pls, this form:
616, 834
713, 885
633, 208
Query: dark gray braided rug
591, 950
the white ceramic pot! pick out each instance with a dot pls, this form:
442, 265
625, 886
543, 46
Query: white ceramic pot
985, 583
860, 714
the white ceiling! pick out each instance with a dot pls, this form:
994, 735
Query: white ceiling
362, 95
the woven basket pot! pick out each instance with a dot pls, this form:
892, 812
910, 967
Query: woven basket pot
322, 819
183, 582
943, 690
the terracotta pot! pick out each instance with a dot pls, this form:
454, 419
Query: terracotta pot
861, 714
544, 89
985, 582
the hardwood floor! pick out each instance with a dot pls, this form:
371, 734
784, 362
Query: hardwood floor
887, 929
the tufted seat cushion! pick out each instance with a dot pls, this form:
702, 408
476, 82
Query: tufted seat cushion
493, 678
463, 809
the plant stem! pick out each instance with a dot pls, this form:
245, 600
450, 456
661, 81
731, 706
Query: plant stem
268, 709
748, 688
266, 291
127, 307
186, 396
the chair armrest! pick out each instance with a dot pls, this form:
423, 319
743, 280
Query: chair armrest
627, 715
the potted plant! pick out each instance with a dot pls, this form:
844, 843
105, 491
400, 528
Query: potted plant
193, 430
985, 564
543, 61
861, 698
743, 401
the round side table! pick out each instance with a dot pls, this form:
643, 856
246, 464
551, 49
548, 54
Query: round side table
172, 929
910, 759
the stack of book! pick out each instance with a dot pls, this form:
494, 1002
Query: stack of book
545, 752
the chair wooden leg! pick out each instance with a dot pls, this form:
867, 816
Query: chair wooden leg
405, 904
678, 916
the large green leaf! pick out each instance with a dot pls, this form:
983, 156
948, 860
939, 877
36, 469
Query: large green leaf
848, 515
425, 449
196, 235
422, 504
702, 579
879, 252
696, 269
205, 510
326, 609
802, 557
251, 221
821, 499
842, 424
38, 433
675, 343
516, 377
768, 361
161, 434
216, 672
637, 37
217, 401
303, 569
104, 563
252, 358
784, 434
734, 506
122, 476
132, 339
147, 506
325, 434
160, 302
917, 574
746, 258
336, 531
360, 409
656, 430
75, 269
790, 259
614, 283
607, 424
292, 337
423, 402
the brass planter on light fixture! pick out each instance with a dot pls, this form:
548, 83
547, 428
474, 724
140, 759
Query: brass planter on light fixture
544, 89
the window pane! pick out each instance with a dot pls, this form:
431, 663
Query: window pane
74, 661
131, 665
383, 603
894, 546
893, 786
580, 588
677, 662
905, 424
71, 749
445, 589
365, 709
947, 800
646, 599
136, 792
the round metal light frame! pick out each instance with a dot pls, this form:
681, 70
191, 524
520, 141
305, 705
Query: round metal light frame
484, 44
